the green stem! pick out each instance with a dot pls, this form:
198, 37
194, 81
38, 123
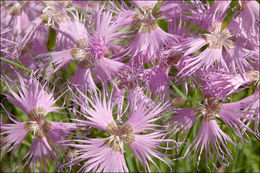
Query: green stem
235, 161
178, 91
15, 64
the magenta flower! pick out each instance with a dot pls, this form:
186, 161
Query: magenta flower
20, 21
210, 137
90, 49
212, 140
217, 40
107, 154
150, 38
221, 84
245, 24
202, 13
36, 103
157, 79
251, 105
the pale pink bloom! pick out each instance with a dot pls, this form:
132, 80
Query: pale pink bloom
150, 38
107, 154
36, 103
14, 16
202, 13
89, 48
210, 137
212, 140
245, 22
18, 25
157, 80
221, 84
251, 104
222, 52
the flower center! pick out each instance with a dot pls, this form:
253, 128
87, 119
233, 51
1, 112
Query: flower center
253, 75
82, 43
127, 84
37, 125
219, 38
209, 110
51, 13
78, 54
147, 19
83, 57
118, 136
15, 8
37, 114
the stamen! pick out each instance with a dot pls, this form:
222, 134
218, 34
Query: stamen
82, 43
78, 54
15, 9
115, 143
112, 128
83, 57
37, 114
147, 19
219, 38
39, 128
210, 110
119, 136
51, 12
126, 133
253, 75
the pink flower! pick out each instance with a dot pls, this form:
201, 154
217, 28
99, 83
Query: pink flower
244, 22
204, 14
217, 40
251, 105
157, 79
210, 137
36, 103
212, 140
90, 49
221, 84
107, 154
150, 38
18, 26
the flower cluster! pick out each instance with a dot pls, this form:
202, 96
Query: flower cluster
98, 80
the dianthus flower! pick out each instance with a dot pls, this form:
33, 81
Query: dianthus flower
157, 80
221, 84
150, 38
36, 103
251, 104
203, 13
246, 23
210, 137
138, 131
90, 49
224, 50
